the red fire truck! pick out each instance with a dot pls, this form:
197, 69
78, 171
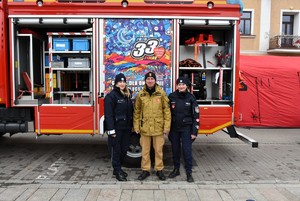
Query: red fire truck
58, 59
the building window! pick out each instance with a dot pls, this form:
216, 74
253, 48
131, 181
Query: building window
245, 24
287, 24
287, 31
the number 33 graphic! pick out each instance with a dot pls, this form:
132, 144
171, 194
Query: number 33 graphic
142, 49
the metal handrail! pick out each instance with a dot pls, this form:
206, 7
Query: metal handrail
285, 42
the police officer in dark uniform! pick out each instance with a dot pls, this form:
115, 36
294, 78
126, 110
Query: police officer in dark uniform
184, 126
118, 113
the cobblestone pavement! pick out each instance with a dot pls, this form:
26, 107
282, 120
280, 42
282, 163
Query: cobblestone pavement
77, 167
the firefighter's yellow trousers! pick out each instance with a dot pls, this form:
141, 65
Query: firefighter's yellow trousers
158, 143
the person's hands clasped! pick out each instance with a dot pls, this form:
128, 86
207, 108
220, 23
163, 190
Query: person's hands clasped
166, 133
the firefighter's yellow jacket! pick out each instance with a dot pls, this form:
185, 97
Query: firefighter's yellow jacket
152, 114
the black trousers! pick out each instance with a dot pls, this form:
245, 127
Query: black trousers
119, 146
181, 142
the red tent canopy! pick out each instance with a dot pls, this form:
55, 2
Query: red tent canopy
269, 94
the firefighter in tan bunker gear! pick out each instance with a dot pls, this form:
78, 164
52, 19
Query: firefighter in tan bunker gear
152, 119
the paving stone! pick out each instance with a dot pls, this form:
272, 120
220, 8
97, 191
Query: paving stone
178, 185
145, 195
192, 195
140, 186
240, 194
218, 186
289, 195
101, 186
11, 193
208, 195
60, 194
93, 195
26, 194
60, 185
159, 195
126, 195
272, 194
42, 195
109, 195
176, 195
76, 195
224, 194
295, 190
256, 194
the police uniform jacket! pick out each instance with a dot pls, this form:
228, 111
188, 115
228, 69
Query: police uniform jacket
118, 110
152, 112
185, 111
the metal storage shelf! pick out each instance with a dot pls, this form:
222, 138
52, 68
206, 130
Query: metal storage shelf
84, 93
70, 52
67, 76
72, 69
205, 44
207, 68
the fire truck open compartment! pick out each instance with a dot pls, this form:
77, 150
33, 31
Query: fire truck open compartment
42, 72
206, 57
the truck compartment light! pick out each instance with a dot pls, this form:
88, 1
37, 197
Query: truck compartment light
219, 22
194, 22
210, 5
78, 21
124, 3
52, 21
39, 3
207, 22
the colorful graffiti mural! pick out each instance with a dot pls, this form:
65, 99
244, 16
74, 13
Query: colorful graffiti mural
136, 46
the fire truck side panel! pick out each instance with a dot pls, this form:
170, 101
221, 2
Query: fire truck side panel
4, 87
101, 115
213, 119
64, 120
237, 78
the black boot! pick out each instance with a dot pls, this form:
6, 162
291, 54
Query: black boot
144, 175
174, 173
124, 173
120, 177
121, 172
160, 175
189, 177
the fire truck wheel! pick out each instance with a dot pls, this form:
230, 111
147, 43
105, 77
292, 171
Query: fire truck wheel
134, 153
